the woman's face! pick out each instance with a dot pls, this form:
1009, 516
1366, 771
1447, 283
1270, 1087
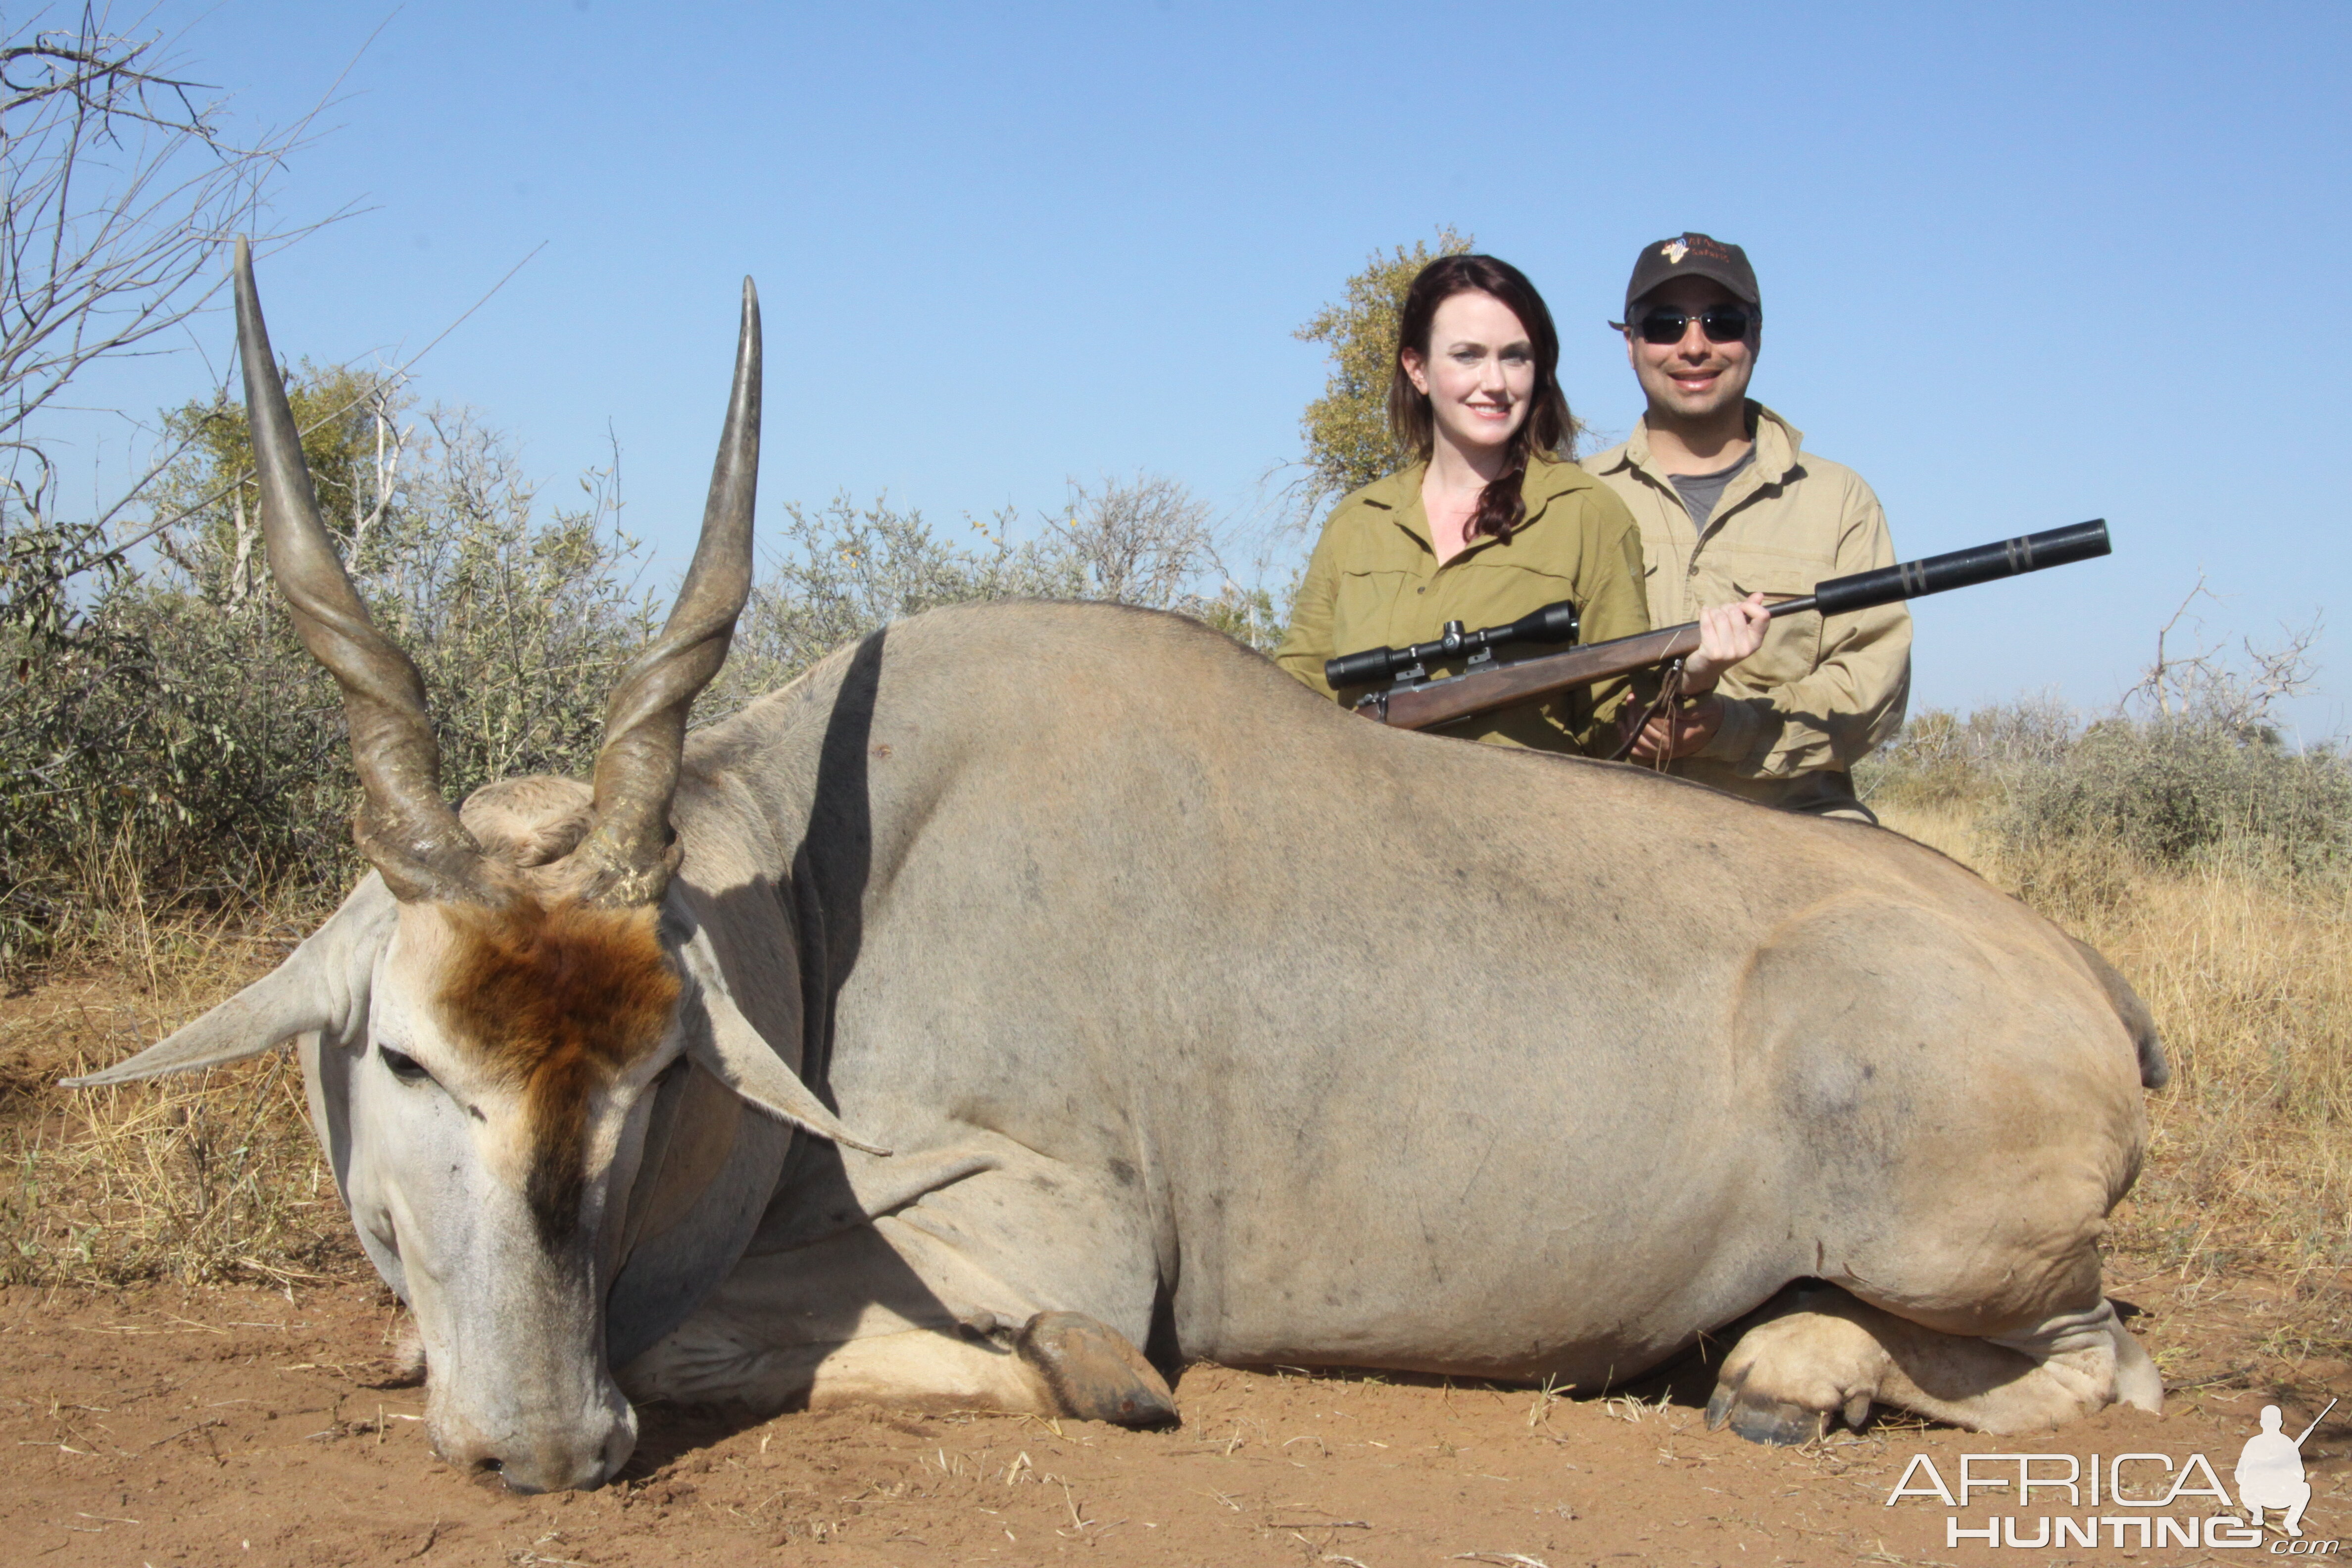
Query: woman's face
1479, 374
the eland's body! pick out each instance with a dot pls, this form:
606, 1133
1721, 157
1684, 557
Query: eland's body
1193, 1013
1344, 1047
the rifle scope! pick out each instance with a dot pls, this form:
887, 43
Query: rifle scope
1553, 623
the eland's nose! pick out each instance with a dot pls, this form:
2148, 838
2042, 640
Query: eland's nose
540, 1461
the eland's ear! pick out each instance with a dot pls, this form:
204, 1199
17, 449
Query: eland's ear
739, 1057
744, 1062
322, 987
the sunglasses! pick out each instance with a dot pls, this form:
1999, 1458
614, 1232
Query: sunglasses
1721, 323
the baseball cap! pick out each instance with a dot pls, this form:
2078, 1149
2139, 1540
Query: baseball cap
1692, 256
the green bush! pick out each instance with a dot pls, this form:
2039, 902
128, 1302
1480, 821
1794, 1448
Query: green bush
2171, 791
2164, 790
171, 743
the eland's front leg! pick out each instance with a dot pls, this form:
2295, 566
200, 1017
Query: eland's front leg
885, 1314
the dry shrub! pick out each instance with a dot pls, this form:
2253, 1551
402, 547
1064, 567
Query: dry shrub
1941, 761
2178, 790
2246, 962
839, 572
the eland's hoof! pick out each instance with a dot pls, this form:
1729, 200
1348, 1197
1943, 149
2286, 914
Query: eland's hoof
1781, 1422
1094, 1373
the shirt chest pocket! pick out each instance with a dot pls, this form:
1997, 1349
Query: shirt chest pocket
1366, 607
1792, 646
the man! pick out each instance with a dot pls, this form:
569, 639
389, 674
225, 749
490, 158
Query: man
1729, 504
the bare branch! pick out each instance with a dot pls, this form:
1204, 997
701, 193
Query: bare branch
120, 186
119, 183
2240, 697
2159, 681
1140, 544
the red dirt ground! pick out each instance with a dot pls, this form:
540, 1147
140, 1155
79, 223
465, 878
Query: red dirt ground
239, 1427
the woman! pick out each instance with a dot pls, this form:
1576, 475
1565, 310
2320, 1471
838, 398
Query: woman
1492, 521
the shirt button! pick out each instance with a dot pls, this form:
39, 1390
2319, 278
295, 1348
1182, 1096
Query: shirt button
1422, 590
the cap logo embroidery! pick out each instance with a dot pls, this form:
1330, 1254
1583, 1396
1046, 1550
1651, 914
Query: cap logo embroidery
1674, 250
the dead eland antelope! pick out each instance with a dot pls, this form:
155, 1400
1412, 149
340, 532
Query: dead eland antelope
1230, 1025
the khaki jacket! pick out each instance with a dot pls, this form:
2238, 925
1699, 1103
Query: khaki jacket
1816, 698
1374, 582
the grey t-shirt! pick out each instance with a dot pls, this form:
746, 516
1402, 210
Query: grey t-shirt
1701, 492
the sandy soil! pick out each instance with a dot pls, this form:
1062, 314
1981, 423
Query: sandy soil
241, 1427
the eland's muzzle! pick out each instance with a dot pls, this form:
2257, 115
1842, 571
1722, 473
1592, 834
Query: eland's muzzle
545, 1457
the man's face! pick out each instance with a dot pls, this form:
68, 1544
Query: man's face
1691, 380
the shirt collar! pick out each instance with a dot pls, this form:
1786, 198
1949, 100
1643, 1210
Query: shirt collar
1400, 495
1777, 443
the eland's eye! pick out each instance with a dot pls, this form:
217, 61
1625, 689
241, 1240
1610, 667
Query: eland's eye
404, 1068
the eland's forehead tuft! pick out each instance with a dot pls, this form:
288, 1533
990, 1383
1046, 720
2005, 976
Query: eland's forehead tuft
532, 986
557, 1001
529, 822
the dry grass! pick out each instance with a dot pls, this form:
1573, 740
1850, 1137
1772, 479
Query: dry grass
198, 1178
2249, 974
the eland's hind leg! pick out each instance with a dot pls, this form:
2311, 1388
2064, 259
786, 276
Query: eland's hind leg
1954, 1123
1826, 1354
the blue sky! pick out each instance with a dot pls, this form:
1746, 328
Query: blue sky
2022, 265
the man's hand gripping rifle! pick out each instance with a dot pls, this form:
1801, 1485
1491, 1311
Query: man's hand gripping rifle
1416, 703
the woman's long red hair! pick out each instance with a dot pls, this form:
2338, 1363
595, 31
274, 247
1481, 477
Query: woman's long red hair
1548, 430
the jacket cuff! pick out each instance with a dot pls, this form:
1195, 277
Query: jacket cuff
1737, 739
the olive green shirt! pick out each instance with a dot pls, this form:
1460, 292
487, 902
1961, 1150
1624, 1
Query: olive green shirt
1374, 582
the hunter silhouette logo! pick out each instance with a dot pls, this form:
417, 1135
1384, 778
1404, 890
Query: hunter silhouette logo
2270, 1471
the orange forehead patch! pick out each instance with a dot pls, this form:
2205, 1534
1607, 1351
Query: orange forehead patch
557, 1003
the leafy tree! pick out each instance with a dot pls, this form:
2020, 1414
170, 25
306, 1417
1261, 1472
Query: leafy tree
1347, 428
352, 441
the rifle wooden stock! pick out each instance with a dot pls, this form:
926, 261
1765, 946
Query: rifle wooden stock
1458, 697
1418, 708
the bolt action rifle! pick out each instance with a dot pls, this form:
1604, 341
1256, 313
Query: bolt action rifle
1416, 703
